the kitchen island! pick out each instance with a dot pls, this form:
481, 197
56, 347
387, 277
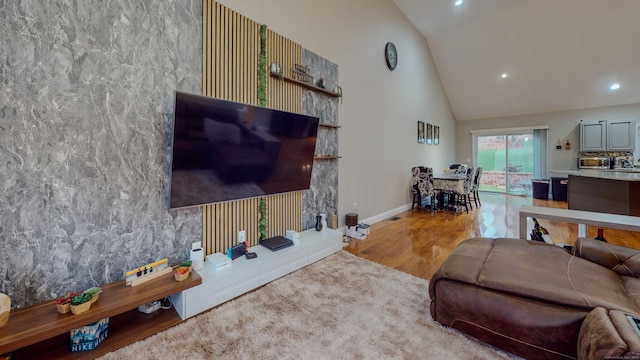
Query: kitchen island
605, 191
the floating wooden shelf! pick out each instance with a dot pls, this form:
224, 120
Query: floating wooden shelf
37, 323
309, 86
326, 157
330, 125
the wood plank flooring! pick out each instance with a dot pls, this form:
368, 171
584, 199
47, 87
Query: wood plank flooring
418, 241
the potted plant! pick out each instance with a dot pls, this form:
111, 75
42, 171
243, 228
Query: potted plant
187, 263
94, 292
181, 273
81, 303
64, 301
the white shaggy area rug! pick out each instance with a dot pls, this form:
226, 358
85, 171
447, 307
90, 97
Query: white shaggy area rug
341, 307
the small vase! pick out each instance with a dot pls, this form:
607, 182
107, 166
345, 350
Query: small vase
323, 221
318, 223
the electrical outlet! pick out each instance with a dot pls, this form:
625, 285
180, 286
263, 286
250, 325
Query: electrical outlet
242, 236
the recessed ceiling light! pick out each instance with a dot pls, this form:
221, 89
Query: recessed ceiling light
614, 86
504, 75
458, 2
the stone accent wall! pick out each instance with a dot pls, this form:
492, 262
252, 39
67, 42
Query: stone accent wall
322, 197
85, 109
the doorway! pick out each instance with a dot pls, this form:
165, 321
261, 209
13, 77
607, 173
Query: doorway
510, 160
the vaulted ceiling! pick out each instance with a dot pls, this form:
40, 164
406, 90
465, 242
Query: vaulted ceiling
556, 54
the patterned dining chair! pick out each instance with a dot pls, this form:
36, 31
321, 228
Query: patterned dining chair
475, 186
464, 197
422, 186
457, 169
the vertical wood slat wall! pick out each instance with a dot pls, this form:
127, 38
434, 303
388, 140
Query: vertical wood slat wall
230, 51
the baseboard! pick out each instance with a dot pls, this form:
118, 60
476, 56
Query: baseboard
382, 216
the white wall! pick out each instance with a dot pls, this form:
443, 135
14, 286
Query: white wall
562, 125
380, 108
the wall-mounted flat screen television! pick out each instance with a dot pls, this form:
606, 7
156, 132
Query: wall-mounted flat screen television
224, 150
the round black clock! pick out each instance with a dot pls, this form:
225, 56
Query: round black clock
391, 55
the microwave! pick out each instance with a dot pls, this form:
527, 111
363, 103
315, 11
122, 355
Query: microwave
593, 163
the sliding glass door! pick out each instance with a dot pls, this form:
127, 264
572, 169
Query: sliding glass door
510, 160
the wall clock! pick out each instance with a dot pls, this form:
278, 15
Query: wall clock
391, 55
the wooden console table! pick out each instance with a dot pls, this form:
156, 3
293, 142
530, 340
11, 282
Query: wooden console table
582, 218
40, 331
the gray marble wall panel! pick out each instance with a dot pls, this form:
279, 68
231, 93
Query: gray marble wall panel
85, 114
322, 197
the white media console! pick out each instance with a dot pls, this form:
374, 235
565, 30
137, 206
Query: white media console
243, 275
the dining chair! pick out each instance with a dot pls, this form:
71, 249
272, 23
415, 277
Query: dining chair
475, 186
455, 169
464, 197
422, 186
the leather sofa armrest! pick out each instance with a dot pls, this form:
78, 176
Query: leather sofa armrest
621, 259
608, 334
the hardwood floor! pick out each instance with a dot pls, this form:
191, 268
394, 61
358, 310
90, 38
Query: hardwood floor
418, 241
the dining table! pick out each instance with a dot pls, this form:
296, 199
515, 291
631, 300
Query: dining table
448, 183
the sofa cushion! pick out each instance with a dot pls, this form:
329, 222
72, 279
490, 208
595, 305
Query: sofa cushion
538, 271
621, 259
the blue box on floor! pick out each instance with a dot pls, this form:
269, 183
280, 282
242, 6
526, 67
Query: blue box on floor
88, 337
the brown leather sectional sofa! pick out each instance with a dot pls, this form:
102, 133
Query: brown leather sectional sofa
532, 298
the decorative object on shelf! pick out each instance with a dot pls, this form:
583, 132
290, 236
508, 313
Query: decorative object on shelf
262, 67
321, 83
187, 263
181, 273
196, 255
301, 73
420, 132
81, 303
275, 68
338, 92
94, 292
391, 56
429, 134
318, 223
5, 309
323, 221
63, 302
436, 135
147, 272
88, 337
262, 222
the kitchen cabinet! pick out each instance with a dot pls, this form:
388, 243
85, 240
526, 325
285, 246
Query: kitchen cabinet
607, 135
621, 135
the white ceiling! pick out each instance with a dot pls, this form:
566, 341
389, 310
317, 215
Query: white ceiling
558, 54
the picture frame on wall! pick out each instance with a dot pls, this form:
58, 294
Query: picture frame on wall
436, 135
420, 132
429, 134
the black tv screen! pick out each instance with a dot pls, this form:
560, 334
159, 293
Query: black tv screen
224, 150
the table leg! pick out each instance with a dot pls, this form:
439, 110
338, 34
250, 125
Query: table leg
523, 226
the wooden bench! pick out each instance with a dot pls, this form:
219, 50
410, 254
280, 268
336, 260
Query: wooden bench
582, 218
41, 332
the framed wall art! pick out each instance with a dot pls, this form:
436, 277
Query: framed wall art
436, 135
420, 132
429, 134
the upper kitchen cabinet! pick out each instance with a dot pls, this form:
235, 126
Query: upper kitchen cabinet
607, 135
593, 136
621, 135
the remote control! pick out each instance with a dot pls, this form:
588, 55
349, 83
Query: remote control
250, 255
